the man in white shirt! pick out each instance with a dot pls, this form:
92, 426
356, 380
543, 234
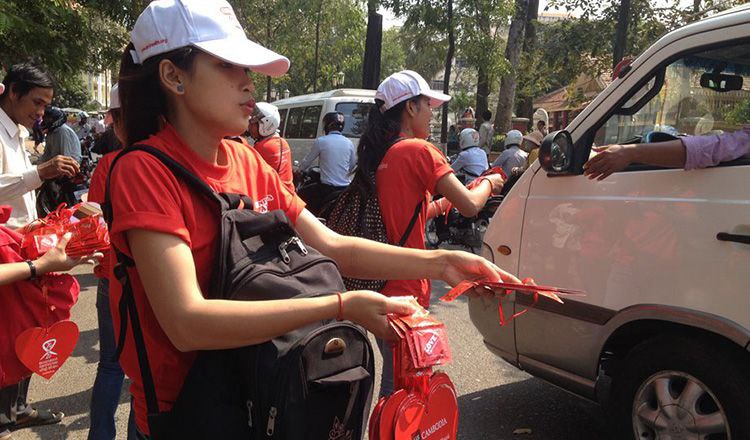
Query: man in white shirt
486, 132
28, 90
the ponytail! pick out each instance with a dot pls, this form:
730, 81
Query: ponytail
380, 132
142, 99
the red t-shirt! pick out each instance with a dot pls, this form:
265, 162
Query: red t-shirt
146, 195
97, 188
408, 173
275, 151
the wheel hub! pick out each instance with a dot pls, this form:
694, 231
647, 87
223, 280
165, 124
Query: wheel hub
678, 423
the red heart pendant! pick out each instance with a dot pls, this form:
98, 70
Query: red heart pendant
440, 419
44, 350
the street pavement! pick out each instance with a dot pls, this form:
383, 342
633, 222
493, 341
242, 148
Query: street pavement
495, 399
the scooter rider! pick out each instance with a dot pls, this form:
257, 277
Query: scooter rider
336, 157
60, 138
264, 129
472, 160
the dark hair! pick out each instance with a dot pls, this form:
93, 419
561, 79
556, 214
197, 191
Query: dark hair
380, 131
21, 78
486, 115
142, 101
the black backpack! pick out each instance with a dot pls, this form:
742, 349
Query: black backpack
315, 382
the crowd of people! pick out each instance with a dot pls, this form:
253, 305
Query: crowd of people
189, 95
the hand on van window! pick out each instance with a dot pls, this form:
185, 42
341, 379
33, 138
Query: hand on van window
460, 266
609, 159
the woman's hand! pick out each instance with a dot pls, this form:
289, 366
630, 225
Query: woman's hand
57, 260
369, 309
459, 266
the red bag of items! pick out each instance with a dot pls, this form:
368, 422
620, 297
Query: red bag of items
24, 305
84, 221
424, 403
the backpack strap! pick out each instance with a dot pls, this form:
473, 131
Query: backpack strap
412, 222
127, 306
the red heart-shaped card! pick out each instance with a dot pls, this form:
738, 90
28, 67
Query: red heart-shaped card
44, 350
409, 417
388, 414
440, 419
374, 424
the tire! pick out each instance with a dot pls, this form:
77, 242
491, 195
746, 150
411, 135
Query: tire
674, 387
431, 238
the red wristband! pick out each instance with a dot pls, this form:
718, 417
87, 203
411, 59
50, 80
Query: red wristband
340, 316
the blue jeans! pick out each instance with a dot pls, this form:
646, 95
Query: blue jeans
109, 375
386, 379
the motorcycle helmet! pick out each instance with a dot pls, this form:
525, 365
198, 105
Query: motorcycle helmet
268, 118
53, 118
333, 121
468, 138
514, 137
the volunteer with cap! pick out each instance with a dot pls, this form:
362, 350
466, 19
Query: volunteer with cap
184, 87
408, 170
513, 156
264, 129
105, 395
472, 160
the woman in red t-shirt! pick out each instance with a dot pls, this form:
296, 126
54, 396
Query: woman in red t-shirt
183, 92
408, 170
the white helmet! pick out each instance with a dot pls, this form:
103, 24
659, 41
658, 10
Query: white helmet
268, 118
468, 138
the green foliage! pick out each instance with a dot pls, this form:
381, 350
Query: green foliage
393, 53
481, 28
738, 114
71, 91
460, 100
67, 37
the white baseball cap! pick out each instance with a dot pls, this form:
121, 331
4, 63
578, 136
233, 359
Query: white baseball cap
2, 88
404, 85
468, 138
513, 137
114, 97
209, 25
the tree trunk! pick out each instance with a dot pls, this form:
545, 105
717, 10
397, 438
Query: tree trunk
504, 112
621, 33
696, 6
317, 48
447, 74
483, 91
373, 43
269, 84
525, 108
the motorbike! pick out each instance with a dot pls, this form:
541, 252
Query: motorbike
310, 190
68, 190
455, 229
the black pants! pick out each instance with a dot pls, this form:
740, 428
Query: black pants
13, 400
322, 196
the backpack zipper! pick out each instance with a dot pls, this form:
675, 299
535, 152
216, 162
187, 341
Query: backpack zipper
285, 245
294, 271
270, 428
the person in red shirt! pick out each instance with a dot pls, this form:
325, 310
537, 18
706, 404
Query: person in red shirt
408, 171
105, 394
184, 93
264, 129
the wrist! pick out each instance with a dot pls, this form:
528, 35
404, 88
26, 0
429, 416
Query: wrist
438, 262
34, 269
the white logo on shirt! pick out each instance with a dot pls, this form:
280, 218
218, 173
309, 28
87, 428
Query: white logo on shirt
262, 204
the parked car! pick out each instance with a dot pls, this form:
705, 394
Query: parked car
302, 116
661, 339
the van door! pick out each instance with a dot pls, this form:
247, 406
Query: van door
302, 129
644, 235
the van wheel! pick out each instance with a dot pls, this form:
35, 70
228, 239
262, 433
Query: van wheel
677, 388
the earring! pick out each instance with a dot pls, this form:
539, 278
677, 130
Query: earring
180, 88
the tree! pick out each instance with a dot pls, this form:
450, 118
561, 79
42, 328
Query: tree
506, 99
621, 32
393, 58
371, 62
525, 106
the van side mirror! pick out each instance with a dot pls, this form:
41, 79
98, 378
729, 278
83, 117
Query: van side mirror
720, 82
556, 152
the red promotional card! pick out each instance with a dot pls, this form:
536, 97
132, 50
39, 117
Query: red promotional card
44, 350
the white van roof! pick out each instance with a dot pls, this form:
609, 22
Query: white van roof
337, 93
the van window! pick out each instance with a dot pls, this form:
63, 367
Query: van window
355, 115
282, 120
310, 119
294, 122
687, 104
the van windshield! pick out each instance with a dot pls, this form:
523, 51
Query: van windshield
707, 92
355, 115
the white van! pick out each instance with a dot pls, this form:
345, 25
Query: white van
662, 335
302, 116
